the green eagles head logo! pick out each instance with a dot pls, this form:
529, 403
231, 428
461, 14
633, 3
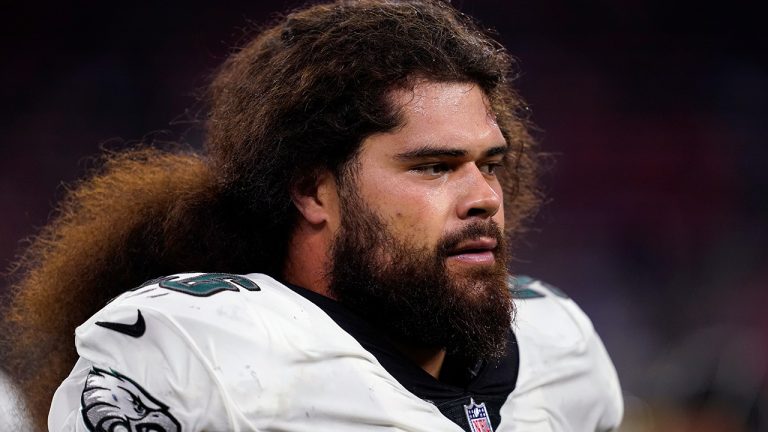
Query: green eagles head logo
114, 403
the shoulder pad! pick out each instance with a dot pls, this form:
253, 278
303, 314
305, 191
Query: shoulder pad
566, 379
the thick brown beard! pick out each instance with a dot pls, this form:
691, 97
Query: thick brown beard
409, 293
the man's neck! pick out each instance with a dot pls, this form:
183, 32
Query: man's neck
430, 359
307, 260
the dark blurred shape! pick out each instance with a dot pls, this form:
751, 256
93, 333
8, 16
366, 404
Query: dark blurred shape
714, 380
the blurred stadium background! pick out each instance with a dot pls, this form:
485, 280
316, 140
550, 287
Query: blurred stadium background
655, 114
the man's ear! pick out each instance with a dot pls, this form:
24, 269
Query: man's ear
316, 198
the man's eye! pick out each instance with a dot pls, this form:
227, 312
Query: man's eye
490, 168
431, 170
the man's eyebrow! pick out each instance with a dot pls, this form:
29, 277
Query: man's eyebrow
429, 151
498, 150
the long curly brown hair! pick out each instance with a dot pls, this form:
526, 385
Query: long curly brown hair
298, 99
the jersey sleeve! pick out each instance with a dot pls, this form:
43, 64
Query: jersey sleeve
566, 381
139, 368
12, 407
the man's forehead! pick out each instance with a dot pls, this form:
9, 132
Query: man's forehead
439, 119
424, 96
448, 115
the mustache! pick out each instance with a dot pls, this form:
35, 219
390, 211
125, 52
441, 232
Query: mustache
472, 231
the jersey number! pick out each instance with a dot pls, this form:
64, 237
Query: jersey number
519, 287
209, 284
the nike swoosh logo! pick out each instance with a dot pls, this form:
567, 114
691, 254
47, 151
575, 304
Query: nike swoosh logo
134, 330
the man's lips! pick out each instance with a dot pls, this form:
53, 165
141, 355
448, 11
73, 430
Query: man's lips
475, 251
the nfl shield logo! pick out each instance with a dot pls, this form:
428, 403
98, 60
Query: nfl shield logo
477, 416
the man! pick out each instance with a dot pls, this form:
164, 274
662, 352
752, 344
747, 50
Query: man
366, 158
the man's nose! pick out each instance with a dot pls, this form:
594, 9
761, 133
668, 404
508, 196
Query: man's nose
478, 198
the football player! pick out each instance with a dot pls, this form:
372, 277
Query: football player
366, 162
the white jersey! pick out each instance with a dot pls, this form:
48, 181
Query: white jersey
11, 406
566, 380
218, 352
